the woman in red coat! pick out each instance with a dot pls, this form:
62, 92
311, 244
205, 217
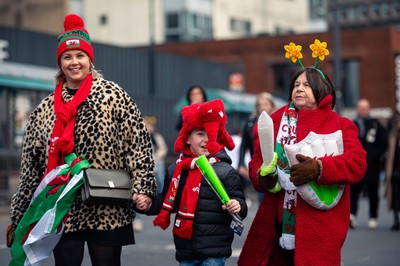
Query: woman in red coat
288, 230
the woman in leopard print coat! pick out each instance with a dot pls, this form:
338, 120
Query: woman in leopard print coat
110, 133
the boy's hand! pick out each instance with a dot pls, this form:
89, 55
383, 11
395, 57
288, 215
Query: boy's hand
233, 206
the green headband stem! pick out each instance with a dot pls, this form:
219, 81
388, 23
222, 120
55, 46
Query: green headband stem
300, 63
320, 72
316, 68
317, 62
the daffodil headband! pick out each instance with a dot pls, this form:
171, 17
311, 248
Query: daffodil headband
319, 51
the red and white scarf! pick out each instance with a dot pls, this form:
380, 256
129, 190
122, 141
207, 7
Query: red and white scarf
62, 137
287, 135
184, 219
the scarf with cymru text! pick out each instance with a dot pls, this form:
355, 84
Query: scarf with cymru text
42, 224
287, 135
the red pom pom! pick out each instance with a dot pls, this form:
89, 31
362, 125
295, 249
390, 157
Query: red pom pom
72, 22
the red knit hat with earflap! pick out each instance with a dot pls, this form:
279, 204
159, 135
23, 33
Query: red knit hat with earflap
74, 37
209, 116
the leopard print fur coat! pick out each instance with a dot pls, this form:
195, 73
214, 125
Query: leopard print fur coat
110, 133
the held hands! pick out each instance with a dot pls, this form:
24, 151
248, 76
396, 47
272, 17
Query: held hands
233, 206
307, 169
142, 201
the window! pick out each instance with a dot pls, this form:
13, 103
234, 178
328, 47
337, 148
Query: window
4, 118
396, 8
362, 11
247, 27
283, 74
317, 9
103, 20
15, 108
375, 9
188, 26
22, 110
196, 21
242, 26
172, 20
385, 10
173, 38
208, 23
351, 82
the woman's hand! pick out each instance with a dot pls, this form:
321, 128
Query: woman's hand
307, 169
142, 201
267, 176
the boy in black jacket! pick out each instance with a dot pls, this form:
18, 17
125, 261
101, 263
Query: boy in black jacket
201, 228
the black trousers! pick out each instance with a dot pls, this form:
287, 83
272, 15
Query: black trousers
371, 183
104, 246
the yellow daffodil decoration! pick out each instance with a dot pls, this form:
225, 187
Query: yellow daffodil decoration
293, 52
319, 51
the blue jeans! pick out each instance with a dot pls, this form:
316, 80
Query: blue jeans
204, 262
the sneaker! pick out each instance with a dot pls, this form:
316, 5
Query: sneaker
372, 223
353, 221
138, 225
249, 203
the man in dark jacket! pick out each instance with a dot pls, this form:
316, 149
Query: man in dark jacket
374, 139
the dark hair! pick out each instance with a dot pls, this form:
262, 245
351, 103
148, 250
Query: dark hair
320, 86
192, 88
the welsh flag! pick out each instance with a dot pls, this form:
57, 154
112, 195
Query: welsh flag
42, 225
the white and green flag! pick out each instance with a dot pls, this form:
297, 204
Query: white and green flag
41, 227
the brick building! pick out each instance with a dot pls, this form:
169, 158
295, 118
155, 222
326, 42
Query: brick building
368, 62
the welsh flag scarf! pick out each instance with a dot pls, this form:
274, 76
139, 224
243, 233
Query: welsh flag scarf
184, 219
42, 225
287, 135
62, 137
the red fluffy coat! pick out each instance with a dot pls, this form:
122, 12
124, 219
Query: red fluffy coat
319, 234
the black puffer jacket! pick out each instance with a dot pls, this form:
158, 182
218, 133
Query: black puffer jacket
212, 236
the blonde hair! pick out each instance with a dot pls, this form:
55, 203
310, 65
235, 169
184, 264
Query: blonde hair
95, 73
262, 96
152, 120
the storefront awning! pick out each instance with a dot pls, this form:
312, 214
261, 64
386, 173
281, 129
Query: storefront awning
234, 102
18, 75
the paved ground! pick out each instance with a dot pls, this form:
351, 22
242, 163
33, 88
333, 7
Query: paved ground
363, 247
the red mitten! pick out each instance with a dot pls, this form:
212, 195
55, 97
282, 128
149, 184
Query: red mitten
307, 169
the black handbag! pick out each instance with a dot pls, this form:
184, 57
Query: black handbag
106, 187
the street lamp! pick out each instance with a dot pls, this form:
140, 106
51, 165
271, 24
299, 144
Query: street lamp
337, 63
